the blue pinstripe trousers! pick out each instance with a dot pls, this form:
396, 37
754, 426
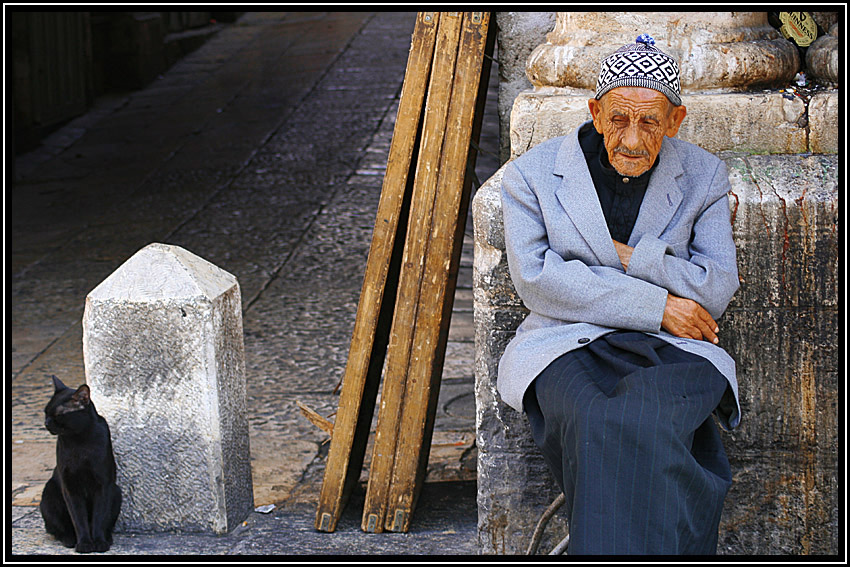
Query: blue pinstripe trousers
625, 426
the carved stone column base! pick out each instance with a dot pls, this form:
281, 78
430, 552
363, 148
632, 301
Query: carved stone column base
822, 58
716, 51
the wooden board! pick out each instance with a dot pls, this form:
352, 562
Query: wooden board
436, 294
407, 301
375, 309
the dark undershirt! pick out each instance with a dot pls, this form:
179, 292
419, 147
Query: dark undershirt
619, 195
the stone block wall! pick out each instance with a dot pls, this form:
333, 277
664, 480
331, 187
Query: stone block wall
514, 482
518, 34
754, 123
781, 329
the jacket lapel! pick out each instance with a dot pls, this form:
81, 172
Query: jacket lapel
662, 197
578, 197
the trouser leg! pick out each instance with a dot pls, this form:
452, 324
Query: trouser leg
638, 456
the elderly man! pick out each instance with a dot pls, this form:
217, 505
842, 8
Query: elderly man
619, 243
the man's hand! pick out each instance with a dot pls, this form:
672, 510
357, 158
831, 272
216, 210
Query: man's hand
686, 318
624, 252
682, 317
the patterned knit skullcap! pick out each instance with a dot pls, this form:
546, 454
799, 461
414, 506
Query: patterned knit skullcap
640, 64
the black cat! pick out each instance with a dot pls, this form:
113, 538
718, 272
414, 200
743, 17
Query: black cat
81, 501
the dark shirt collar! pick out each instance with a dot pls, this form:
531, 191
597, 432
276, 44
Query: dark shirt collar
620, 196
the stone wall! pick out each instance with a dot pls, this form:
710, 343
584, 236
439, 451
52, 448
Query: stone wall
781, 330
780, 327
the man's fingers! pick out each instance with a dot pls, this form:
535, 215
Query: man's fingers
707, 331
707, 325
687, 318
694, 333
709, 320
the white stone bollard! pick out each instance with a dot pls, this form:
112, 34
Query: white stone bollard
165, 360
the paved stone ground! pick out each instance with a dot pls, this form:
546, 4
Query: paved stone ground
262, 152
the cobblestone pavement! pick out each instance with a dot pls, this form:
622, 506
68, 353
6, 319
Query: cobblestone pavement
262, 152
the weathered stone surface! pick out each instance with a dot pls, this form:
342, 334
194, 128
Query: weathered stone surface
729, 50
823, 123
825, 19
822, 57
781, 330
756, 123
748, 122
519, 33
544, 113
164, 357
507, 516
780, 514
785, 222
514, 483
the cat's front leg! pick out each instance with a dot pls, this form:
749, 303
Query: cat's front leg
104, 513
78, 509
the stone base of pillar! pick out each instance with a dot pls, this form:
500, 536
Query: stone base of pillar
822, 58
823, 123
715, 50
754, 123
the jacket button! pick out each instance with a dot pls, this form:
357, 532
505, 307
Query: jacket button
583, 340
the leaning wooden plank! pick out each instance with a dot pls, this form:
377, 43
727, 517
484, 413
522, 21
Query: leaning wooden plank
374, 311
419, 225
436, 293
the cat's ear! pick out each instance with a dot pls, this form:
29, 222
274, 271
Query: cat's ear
82, 396
57, 384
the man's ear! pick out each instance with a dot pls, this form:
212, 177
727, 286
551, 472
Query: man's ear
595, 107
677, 115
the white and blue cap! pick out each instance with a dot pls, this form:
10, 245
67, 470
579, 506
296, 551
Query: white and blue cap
640, 64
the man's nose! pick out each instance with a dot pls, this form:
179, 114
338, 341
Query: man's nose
631, 137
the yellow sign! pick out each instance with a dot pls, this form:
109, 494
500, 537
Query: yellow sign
798, 26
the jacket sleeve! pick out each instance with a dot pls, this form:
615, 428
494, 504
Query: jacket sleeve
567, 288
710, 276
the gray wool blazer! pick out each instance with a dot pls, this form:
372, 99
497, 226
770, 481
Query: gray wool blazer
567, 272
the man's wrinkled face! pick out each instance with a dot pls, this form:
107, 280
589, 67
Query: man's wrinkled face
634, 121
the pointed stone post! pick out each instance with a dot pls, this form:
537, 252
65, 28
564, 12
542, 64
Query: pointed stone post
165, 360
